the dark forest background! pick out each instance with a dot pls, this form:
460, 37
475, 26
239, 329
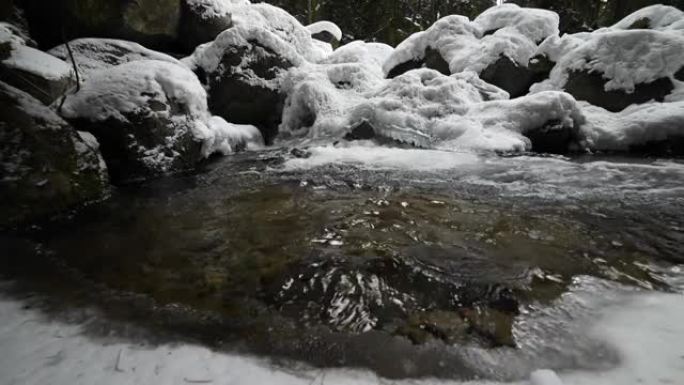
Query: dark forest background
391, 21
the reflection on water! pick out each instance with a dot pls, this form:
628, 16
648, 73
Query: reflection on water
394, 269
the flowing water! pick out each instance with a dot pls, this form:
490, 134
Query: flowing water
410, 263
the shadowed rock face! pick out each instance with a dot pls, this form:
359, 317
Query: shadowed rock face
234, 96
553, 138
679, 75
45, 166
325, 37
514, 78
589, 86
153, 23
432, 59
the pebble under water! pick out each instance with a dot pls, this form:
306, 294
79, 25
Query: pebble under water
411, 263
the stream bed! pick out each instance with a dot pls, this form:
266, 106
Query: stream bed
407, 263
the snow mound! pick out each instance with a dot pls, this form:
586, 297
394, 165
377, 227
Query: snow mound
624, 58
637, 125
462, 113
226, 138
657, 17
321, 95
92, 54
325, 26
211, 9
535, 24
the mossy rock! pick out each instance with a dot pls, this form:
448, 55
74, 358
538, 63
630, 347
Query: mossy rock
45, 165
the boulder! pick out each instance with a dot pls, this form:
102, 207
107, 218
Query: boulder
33, 71
432, 59
45, 165
554, 137
244, 69
94, 54
202, 21
149, 117
679, 75
153, 23
590, 87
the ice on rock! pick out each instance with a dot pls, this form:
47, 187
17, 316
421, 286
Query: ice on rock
93, 54
320, 97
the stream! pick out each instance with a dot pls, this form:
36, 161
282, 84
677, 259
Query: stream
407, 263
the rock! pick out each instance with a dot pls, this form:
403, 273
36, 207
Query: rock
432, 60
45, 165
244, 68
590, 87
679, 75
41, 75
202, 21
149, 116
514, 78
553, 138
153, 23
94, 54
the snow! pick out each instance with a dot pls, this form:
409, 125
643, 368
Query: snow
10, 33
625, 58
92, 54
636, 125
466, 45
278, 22
129, 89
325, 26
226, 138
661, 18
535, 24
208, 57
361, 52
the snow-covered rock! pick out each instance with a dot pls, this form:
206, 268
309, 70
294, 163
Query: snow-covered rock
498, 45
33, 71
93, 54
657, 17
614, 69
244, 69
653, 127
278, 22
45, 165
358, 51
535, 24
150, 118
325, 31
203, 20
